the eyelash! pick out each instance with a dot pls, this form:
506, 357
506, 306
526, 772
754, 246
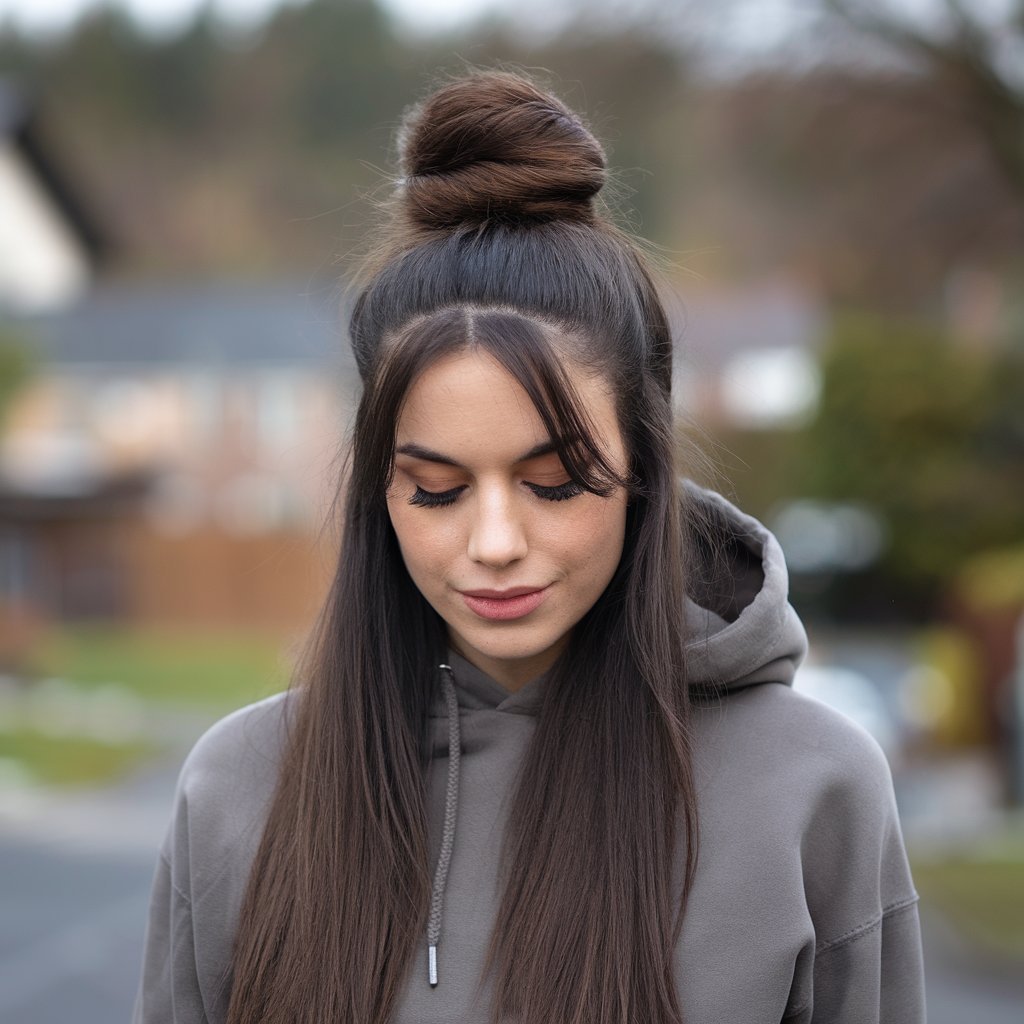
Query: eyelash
440, 499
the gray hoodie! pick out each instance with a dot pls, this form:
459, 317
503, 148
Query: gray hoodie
803, 907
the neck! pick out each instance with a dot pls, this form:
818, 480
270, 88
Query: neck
511, 673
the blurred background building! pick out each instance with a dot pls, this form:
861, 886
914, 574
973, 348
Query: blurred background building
834, 190
168, 450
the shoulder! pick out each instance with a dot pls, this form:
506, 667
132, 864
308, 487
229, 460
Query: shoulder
245, 738
224, 791
819, 786
781, 728
223, 794
838, 794
851, 800
822, 778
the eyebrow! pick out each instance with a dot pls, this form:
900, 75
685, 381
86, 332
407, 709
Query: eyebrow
417, 451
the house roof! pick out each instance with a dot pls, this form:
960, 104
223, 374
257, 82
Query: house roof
714, 324
301, 323
18, 125
209, 324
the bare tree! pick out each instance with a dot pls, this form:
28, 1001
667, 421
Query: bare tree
977, 59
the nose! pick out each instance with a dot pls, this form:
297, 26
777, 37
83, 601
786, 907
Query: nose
497, 535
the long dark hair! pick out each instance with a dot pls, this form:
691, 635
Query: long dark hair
496, 241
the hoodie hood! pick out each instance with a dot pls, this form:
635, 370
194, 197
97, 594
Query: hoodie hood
741, 628
745, 631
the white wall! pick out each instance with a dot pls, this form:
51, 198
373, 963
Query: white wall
42, 264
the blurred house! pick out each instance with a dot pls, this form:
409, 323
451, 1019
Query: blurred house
172, 459
49, 246
747, 355
50, 250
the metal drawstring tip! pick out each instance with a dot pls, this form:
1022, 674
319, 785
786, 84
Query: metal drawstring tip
432, 965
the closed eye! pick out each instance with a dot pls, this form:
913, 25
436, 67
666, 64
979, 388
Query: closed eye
440, 499
558, 493
435, 499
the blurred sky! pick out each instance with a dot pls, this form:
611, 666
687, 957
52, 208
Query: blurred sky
48, 15
741, 29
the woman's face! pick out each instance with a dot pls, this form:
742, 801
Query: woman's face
505, 547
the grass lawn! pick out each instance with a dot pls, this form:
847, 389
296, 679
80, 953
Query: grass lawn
68, 761
983, 895
189, 668
208, 672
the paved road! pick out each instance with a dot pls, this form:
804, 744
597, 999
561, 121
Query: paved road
75, 875
961, 989
74, 887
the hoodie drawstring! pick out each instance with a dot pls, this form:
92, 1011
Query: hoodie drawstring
451, 803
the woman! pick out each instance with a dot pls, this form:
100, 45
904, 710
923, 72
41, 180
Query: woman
542, 760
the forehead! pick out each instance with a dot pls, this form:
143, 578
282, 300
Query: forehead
468, 406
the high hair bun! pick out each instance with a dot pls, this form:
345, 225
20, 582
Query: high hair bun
493, 146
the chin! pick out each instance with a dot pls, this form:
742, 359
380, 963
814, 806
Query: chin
505, 643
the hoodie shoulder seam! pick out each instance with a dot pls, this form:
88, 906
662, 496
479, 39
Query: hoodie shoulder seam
888, 911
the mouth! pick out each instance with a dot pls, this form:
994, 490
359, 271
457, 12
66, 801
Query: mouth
514, 603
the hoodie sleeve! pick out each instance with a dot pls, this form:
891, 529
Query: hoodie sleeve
867, 959
168, 991
874, 975
219, 808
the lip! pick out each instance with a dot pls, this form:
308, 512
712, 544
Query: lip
502, 595
514, 603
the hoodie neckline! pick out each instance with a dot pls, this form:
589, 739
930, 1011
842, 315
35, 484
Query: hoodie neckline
476, 690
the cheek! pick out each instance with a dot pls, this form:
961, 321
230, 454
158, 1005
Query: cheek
426, 547
597, 536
